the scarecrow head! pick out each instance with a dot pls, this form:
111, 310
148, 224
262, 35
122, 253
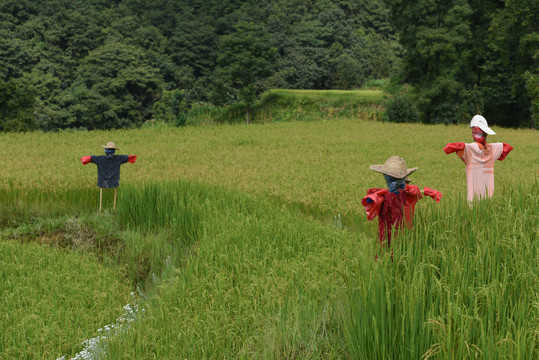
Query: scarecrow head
395, 173
480, 129
110, 148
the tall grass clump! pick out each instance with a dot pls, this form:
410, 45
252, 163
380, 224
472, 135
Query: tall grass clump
154, 207
463, 283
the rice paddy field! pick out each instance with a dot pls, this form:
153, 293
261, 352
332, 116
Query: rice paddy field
250, 242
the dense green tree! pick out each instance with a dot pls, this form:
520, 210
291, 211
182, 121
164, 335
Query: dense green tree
48, 44
15, 57
532, 85
465, 57
461, 56
433, 35
346, 74
122, 86
246, 59
194, 44
173, 106
16, 106
513, 52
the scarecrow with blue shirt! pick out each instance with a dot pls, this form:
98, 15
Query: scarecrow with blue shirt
398, 201
108, 168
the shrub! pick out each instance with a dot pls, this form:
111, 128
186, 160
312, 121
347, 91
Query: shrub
401, 109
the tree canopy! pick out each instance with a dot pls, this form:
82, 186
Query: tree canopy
100, 64
469, 56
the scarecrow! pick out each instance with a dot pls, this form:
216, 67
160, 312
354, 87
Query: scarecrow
479, 158
108, 168
396, 202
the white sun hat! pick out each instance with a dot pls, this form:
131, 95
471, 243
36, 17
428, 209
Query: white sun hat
481, 123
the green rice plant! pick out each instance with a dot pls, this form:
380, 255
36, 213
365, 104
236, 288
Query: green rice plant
52, 300
461, 284
260, 281
154, 207
260, 269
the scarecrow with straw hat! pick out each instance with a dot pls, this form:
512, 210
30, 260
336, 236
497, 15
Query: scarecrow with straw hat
108, 168
398, 201
479, 158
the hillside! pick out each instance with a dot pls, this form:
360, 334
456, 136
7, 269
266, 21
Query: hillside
102, 65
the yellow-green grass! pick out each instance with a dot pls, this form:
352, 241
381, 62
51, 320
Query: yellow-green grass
263, 280
461, 284
320, 165
52, 300
286, 105
363, 95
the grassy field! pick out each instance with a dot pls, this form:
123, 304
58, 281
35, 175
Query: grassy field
234, 235
51, 300
318, 165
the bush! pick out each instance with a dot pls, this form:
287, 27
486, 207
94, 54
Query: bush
401, 109
17, 103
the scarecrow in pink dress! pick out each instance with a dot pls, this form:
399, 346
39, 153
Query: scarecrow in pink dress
479, 158
108, 168
398, 201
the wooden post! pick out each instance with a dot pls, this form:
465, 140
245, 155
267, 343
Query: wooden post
115, 198
100, 197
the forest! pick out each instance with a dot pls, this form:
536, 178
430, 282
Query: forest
102, 64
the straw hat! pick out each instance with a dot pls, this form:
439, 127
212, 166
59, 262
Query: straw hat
481, 123
395, 166
110, 145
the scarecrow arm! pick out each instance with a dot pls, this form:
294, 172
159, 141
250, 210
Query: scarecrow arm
452, 147
457, 147
132, 159
373, 202
506, 150
86, 159
412, 193
435, 194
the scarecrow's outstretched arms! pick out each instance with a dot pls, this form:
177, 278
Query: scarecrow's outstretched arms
86, 159
373, 202
506, 150
452, 147
458, 147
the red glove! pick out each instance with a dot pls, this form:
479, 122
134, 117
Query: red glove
132, 159
86, 159
506, 150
